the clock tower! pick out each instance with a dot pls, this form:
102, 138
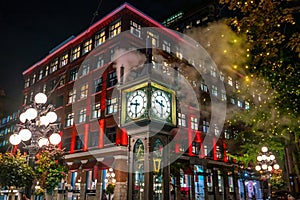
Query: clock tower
148, 114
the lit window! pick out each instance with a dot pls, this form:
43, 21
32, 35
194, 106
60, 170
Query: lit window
85, 68
213, 71
72, 96
203, 87
209, 179
226, 134
166, 46
230, 81
70, 119
44, 89
115, 29
222, 76
53, 66
64, 59
216, 130
111, 106
220, 181
84, 90
230, 184
31, 97
239, 104
82, 115
194, 123
153, 39
76, 52
223, 95
247, 105
181, 119
96, 111
33, 79
205, 126
46, 70
41, 74
25, 99
100, 38
232, 100
214, 90
179, 52
219, 152
87, 46
73, 74
237, 84
135, 29
112, 79
100, 61
62, 80
97, 85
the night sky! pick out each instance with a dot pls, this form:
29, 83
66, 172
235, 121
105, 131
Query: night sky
30, 29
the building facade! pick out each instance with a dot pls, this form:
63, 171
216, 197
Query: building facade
121, 118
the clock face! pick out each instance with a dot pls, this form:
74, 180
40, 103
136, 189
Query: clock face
136, 104
161, 105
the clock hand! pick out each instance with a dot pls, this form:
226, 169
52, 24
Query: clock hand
136, 104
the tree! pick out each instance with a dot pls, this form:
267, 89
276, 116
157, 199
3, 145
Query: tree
15, 172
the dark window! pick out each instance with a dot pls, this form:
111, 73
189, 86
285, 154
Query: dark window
79, 142
66, 144
93, 139
97, 85
110, 135
73, 74
59, 100
112, 79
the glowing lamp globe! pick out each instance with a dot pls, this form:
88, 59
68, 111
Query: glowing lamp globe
23, 117
257, 168
55, 138
43, 141
264, 166
51, 116
25, 134
276, 166
31, 113
14, 139
272, 157
264, 157
264, 149
44, 120
259, 158
270, 168
40, 98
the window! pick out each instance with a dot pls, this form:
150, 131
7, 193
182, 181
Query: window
64, 59
239, 104
247, 105
87, 46
223, 95
153, 39
222, 76
203, 87
85, 68
70, 119
62, 80
100, 61
194, 123
112, 79
205, 126
110, 135
115, 29
72, 96
179, 52
135, 28
220, 181
46, 70
97, 85
96, 111
214, 90
237, 85
181, 119
27, 82
25, 99
84, 90
53, 65
93, 139
209, 179
73, 74
53, 84
232, 100
216, 130
100, 38
82, 115
31, 97
44, 88
41, 74
112, 52
230, 81
111, 106
213, 71
59, 101
76, 52
166, 46
226, 134
79, 142
33, 79
195, 147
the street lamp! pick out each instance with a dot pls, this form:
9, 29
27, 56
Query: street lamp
37, 125
266, 163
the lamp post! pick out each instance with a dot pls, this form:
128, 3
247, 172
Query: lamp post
110, 179
266, 163
37, 126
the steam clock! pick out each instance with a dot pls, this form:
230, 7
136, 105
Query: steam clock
148, 115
